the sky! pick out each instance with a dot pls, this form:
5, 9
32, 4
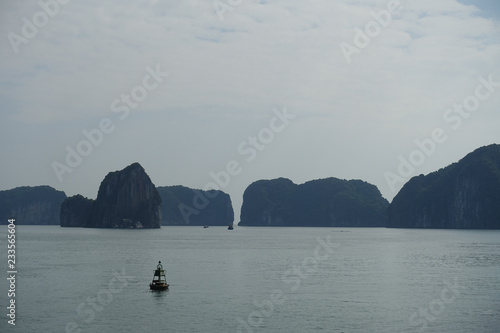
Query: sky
219, 94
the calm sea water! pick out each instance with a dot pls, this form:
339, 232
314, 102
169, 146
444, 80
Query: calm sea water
255, 280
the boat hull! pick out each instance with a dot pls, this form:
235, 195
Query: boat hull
158, 286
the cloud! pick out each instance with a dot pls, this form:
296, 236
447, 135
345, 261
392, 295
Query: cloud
225, 76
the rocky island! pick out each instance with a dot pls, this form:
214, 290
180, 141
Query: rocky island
75, 211
186, 206
38, 205
126, 199
329, 202
463, 195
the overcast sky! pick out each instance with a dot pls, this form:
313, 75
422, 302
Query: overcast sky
296, 89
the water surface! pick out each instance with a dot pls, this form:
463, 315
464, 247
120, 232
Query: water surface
255, 279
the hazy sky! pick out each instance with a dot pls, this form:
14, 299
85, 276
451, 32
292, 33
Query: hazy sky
266, 89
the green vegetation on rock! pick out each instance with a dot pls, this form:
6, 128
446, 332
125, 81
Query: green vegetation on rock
464, 195
329, 202
38, 205
185, 206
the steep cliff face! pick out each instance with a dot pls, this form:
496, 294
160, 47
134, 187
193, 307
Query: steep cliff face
327, 202
126, 199
75, 211
269, 203
37, 205
185, 206
464, 195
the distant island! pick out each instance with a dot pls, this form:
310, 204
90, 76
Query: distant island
464, 195
186, 206
38, 205
126, 199
129, 199
329, 202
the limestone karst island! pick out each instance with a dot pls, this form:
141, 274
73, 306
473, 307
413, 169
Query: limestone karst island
463, 195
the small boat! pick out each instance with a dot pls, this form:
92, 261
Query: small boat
230, 227
159, 279
205, 226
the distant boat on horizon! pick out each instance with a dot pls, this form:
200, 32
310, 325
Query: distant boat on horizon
230, 227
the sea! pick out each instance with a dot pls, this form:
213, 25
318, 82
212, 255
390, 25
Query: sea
252, 279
